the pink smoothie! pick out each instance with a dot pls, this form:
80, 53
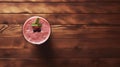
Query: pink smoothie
36, 37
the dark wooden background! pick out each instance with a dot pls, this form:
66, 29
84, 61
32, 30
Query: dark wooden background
85, 33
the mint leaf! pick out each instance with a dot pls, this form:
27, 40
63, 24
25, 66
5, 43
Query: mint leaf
36, 23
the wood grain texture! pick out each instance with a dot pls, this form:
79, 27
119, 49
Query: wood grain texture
68, 31
85, 33
12, 42
81, 43
59, 1
63, 43
88, 62
47, 52
76, 43
16, 30
63, 18
67, 36
59, 8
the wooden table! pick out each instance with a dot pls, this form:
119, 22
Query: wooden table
85, 33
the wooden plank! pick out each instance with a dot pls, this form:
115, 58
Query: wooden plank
67, 31
86, 62
9, 42
78, 43
59, 8
47, 52
15, 30
63, 18
16, 43
59, 0
20, 43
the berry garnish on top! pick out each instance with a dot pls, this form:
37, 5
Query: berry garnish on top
36, 25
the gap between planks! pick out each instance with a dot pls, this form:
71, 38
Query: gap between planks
54, 1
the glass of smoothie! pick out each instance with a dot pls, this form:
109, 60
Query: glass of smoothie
36, 30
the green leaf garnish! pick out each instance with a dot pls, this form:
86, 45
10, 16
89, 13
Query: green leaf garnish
33, 24
36, 23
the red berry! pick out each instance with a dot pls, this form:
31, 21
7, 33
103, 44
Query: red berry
36, 28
